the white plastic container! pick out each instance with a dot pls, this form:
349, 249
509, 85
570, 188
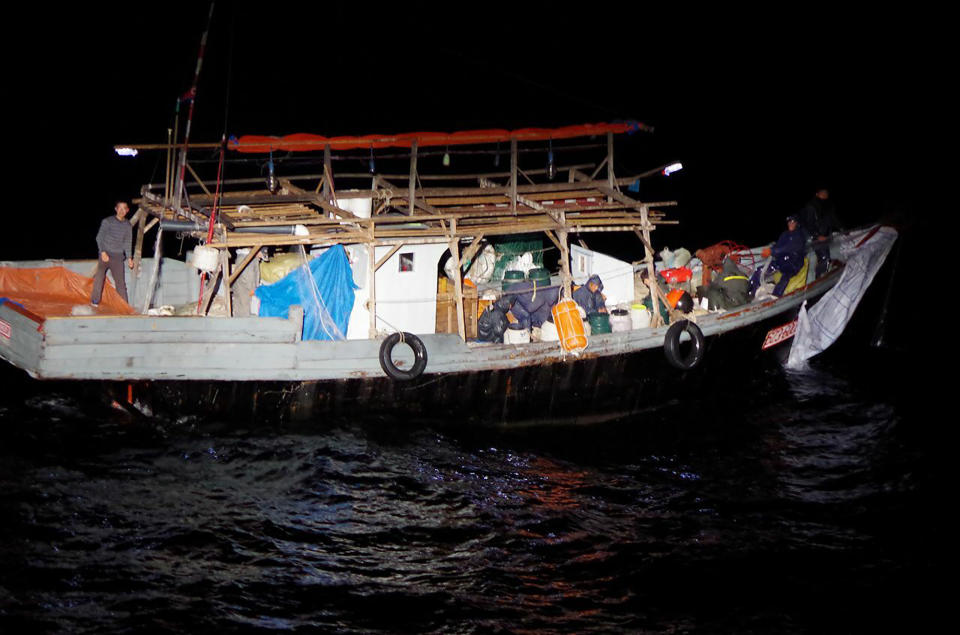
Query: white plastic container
516, 336
620, 321
548, 332
205, 258
639, 316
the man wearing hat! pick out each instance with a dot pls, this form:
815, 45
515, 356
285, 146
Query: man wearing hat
787, 256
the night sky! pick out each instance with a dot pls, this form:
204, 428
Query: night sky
761, 106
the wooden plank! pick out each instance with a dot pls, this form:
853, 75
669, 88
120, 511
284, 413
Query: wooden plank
175, 324
189, 355
167, 337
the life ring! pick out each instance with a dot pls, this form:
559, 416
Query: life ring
671, 345
419, 354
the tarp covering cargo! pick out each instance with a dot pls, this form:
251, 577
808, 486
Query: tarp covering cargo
55, 291
325, 290
864, 253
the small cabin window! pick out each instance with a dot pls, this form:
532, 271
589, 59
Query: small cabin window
406, 261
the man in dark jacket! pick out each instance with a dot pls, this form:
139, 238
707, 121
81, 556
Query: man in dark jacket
590, 296
819, 219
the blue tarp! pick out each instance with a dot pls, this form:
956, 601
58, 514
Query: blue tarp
325, 292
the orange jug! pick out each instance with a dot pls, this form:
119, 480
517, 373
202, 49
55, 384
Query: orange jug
566, 316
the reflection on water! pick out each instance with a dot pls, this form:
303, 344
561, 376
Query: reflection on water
804, 502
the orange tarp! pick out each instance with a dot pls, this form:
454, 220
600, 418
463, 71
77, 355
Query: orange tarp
304, 142
54, 291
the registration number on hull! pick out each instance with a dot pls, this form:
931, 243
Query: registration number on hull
780, 334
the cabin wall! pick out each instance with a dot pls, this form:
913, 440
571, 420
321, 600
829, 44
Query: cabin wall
617, 275
406, 293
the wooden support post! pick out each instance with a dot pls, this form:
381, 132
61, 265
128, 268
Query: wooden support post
566, 279
472, 249
168, 183
514, 154
611, 179
372, 284
148, 296
327, 174
197, 178
244, 263
458, 279
655, 295
225, 268
138, 245
413, 176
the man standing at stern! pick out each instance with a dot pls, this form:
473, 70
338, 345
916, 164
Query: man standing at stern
113, 243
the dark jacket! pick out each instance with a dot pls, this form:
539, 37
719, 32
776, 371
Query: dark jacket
729, 289
819, 217
792, 245
590, 301
533, 304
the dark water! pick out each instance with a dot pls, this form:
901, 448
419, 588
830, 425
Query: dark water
809, 502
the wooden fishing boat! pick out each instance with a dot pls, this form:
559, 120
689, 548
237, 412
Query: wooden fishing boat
403, 346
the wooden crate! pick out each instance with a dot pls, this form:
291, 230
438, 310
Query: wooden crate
447, 312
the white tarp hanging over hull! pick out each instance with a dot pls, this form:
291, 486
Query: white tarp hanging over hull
820, 327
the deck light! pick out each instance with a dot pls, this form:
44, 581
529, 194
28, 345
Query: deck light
272, 183
673, 167
126, 152
446, 158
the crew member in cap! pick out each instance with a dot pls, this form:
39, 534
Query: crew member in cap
787, 256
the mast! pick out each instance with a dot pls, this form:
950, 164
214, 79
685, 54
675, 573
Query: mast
192, 97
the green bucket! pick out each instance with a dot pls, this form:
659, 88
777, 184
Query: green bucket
511, 278
599, 323
540, 275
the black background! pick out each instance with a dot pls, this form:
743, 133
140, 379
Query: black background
761, 105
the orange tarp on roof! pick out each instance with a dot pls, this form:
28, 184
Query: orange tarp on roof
54, 291
303, 142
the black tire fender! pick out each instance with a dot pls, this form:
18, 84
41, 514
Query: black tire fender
419, 353
671, 345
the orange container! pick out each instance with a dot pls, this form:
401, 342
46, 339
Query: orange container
566, 316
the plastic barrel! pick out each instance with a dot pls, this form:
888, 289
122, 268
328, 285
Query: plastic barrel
639, 316
620, 320
570, 330
516, 335
599, 323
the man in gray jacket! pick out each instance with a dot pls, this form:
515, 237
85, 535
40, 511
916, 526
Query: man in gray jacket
113, 243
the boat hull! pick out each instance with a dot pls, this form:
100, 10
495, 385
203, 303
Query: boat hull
590, 389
